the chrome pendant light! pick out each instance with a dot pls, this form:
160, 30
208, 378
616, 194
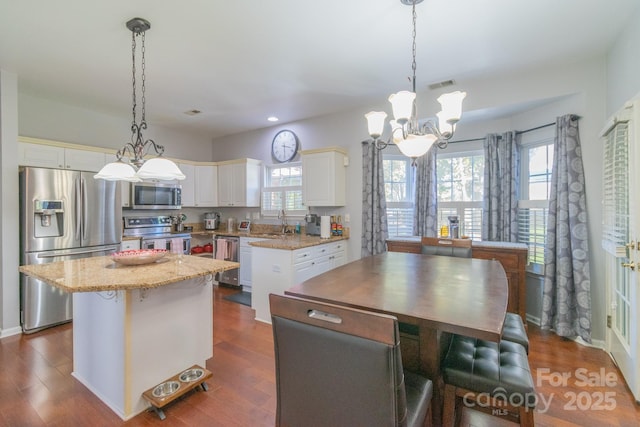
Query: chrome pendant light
413, 138
136, 168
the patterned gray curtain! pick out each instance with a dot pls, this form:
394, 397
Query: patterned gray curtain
374, 203
501, 187
566, 302
425, 220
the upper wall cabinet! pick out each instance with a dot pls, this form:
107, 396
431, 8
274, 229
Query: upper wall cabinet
58, 157
188, 184
206, 185
324, 177
239, 183
200, 187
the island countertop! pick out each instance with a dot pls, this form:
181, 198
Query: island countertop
99, 274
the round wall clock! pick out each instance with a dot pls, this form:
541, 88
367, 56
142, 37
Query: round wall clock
284, 146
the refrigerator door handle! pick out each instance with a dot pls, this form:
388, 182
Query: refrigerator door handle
59, 255
77, 196
85, 208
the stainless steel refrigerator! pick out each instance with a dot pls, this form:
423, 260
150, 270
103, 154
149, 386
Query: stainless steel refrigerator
63, 215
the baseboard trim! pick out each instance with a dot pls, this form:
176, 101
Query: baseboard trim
594, 343
10, 332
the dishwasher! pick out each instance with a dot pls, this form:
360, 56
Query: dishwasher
226, 248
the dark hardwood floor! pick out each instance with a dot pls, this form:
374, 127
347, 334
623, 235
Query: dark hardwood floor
37, 389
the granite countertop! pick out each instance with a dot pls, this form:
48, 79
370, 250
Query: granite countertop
274, 240
99, 274
295, 241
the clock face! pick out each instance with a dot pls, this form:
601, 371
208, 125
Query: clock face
284, 146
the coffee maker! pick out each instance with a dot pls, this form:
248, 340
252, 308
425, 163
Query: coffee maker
312, 224
211, 220
454, 227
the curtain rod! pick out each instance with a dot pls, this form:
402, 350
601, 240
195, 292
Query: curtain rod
519, 132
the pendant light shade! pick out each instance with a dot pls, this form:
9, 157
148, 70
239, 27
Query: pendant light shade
160, 168
416, 145
402, 105
375, 122
118, 171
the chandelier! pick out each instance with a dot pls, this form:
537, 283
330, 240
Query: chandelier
136, 168
412, 137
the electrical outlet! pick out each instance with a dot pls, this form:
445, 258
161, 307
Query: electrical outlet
347, 218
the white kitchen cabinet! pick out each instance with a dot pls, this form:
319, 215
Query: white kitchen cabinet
51, 156
200, 187
206, 185
276, 270
188, 184
239, 183
245, 278
324, 177
130, 245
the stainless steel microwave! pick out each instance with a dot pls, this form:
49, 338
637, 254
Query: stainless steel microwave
152, 195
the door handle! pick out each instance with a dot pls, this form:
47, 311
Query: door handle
631, 265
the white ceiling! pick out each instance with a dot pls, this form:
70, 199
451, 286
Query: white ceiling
241, 61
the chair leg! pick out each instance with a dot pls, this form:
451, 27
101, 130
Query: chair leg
526, 416
449, 410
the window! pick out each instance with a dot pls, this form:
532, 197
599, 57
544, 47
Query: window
283, 190
460, 183
460, 179
533, 207
399, 180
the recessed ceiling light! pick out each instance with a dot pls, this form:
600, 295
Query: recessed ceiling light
272, 119
192, 112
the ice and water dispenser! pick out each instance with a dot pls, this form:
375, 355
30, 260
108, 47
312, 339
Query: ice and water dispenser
48, 218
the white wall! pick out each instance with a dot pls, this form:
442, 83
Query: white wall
623, 67
42, 118
9, 250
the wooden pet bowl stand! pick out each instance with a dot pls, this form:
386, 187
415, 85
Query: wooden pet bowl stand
157, 403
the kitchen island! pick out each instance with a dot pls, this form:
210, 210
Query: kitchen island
135, 326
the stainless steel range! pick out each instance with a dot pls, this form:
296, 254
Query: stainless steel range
155, 233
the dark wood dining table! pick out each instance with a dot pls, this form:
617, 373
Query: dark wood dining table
437, 294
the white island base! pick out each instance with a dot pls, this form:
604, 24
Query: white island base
125, 342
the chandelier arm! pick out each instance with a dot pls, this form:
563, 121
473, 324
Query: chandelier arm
380, 144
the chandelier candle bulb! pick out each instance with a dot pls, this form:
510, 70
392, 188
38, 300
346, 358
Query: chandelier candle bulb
375, 122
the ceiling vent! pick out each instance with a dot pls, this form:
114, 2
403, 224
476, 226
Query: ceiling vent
442, 84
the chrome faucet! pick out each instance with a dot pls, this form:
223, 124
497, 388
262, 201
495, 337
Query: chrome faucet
283, 217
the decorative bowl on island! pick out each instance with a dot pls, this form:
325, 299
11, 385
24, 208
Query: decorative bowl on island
138, 257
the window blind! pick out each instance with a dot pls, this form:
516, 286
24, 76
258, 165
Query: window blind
615, 203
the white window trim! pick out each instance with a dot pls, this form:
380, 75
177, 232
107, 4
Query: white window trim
528, 142
297, 213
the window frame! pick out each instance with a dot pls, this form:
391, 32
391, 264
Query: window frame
460, 207
266, 187
544, 138
401, 208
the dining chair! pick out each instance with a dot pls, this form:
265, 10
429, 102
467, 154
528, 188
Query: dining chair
338, 366
460, 248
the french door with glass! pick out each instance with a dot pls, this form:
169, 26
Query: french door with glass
621, 241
